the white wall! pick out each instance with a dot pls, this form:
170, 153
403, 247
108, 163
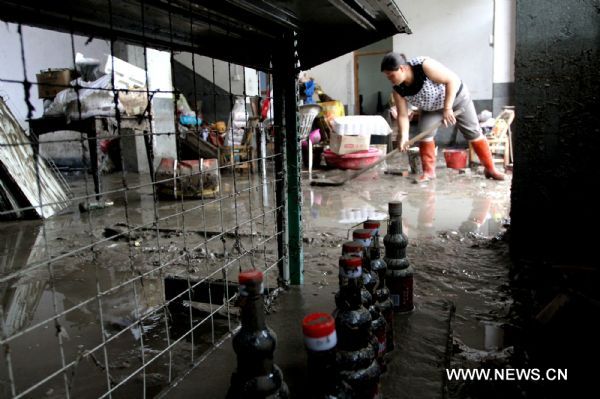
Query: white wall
456, 33
223, 70
43, 49
370, 79
371, 82
159, 78
504, 40
336, 78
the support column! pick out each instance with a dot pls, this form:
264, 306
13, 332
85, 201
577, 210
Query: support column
285, 93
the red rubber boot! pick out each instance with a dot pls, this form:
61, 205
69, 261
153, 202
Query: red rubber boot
427, 151
482, 149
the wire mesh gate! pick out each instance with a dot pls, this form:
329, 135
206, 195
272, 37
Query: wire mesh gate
128, 281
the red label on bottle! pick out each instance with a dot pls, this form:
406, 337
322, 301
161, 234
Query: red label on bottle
401, 290
381, 339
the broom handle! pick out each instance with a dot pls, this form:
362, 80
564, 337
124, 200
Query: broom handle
360, 172
394, 152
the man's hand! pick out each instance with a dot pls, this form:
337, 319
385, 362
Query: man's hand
449, 118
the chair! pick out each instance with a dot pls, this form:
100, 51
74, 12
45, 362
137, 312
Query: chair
308, 113
239, 154
499, 139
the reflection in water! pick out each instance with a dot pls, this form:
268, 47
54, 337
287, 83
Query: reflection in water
427, 209
19, 299
96, 289
360, 215
480, 214
323, 204
31, 299
494, 337
425, 204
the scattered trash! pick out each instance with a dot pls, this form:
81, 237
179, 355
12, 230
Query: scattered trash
62, 332
397, 172
90, 206
117, 232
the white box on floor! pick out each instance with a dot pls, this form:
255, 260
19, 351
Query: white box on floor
348, 144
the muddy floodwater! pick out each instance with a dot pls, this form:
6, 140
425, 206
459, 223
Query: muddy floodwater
80, 308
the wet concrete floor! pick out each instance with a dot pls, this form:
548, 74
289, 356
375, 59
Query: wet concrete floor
461, 286
451, 224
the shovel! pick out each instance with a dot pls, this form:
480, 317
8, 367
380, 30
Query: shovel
421, 135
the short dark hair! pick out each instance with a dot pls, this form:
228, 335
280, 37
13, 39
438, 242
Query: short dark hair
392, 61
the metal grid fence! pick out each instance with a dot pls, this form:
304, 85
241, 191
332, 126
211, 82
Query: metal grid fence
126, 283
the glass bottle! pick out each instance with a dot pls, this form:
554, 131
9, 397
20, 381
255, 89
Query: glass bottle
356, 358
256, 375
320, 340
399, 275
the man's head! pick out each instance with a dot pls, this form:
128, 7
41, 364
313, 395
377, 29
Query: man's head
394, 67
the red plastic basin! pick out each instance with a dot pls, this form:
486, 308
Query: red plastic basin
456, 159
356, 160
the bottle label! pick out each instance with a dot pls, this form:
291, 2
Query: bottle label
382, 348
351, 272
243, 290
375, 393
322, 343
401, 290
381, 339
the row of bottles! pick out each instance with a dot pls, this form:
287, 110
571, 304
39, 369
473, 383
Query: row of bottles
346, 351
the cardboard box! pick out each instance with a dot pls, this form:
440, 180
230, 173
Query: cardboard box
348, 144
52, 81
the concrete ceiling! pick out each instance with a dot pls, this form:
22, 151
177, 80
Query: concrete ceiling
243, 32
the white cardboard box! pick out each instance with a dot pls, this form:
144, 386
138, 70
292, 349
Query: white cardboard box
361, 125
348, 144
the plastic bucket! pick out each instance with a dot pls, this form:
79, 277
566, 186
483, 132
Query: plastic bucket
456, 159
414, 160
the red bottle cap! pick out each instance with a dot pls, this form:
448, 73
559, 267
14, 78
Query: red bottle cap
318, 325
371, 224
352, 247
361, 234
351, 261
250, 276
